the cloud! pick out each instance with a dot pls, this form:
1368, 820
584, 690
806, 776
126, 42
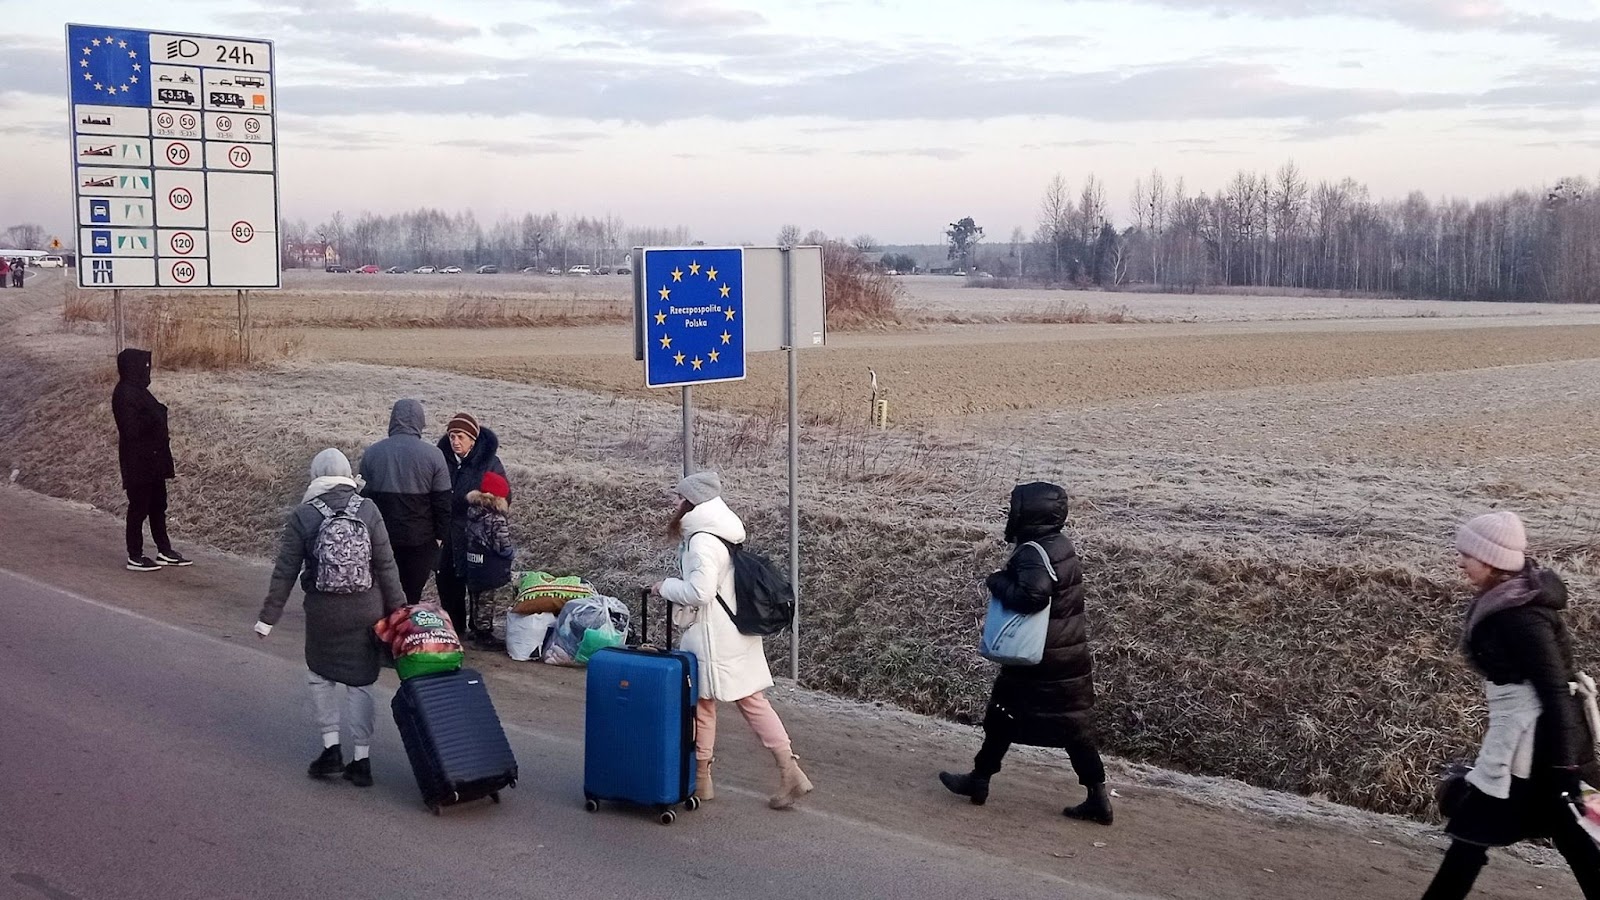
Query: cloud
659, 15
930, 88
940, 153
1424, 15
1317, 131
542, 145
345, 18
514, 29
26, 68
1052, 41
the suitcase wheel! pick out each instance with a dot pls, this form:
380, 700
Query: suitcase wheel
692, 804
590, 804
495, 796
668, 817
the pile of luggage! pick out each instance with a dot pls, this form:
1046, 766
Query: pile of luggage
562, 621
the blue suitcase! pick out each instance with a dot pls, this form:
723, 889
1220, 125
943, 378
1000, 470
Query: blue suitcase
638, 728
453, 737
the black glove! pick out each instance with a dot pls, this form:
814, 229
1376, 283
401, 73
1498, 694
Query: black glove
1571, 786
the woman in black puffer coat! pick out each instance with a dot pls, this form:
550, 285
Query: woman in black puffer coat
470, 451
1526, 781
1048, 704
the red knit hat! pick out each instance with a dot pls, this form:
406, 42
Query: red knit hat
496, 484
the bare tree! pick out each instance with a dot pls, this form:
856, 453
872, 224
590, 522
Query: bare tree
27, 236
788, 235
1054, 213
865, 243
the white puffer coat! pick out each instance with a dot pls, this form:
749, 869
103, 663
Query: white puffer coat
732, 665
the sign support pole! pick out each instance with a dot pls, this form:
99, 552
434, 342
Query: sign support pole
792, 318
117, 320
688, 432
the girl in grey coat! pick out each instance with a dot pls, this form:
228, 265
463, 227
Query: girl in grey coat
340, 646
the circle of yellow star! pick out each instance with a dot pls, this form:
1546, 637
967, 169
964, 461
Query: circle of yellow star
679, 358
725, 290
729, 313
661, 318
666, 342
694, 268
711, 274
726, 337
677, 274
665, 293
714, 354
697, 362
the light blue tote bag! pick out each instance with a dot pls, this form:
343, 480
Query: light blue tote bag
1013, 638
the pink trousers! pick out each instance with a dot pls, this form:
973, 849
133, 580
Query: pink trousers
757, 712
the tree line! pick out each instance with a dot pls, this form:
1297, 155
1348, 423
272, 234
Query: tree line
434, 237
1280, 230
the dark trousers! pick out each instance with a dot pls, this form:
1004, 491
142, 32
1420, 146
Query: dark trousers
415, 565
1080, 749
147, 500
453, 594
1463, 862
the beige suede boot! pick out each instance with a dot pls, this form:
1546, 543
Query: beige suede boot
792, 783
702, 780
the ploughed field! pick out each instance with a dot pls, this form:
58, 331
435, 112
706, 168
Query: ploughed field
1264, 488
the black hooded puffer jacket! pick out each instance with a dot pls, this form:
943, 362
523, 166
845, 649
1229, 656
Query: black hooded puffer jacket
466, 476
143, 449
1044, 704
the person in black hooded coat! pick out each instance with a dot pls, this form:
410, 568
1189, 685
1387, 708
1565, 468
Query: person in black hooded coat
1048, 704
469, 451
144, 454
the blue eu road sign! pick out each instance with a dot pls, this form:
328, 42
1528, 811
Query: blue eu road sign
693, 309
110, 66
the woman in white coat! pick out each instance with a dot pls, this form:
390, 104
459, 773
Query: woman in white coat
733, 665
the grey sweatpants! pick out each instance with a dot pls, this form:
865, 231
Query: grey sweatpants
356, 714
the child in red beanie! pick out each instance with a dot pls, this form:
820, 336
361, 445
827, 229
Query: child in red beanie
489, 554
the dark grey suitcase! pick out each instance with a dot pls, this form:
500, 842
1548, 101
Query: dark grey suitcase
453, 736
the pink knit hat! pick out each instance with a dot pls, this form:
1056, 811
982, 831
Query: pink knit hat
1495, 538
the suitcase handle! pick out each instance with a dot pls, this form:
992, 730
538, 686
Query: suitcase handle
643, 632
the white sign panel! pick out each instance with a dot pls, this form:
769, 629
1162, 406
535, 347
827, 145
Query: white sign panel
175, 163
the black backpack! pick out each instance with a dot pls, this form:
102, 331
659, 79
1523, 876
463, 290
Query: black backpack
766, 601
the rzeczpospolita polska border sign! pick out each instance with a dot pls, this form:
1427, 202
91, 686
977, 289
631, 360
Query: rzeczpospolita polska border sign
693, 315
174, 159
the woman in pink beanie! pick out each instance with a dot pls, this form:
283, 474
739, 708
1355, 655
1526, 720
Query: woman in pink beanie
1526, 781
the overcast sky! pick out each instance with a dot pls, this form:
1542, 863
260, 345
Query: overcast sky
890, 117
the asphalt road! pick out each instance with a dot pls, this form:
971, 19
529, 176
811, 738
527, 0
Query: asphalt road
144, 760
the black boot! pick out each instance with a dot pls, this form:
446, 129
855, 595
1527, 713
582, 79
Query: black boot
329, 763
973, 785
359, 773
1095, 809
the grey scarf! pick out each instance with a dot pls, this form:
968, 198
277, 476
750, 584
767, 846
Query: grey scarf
1518, 590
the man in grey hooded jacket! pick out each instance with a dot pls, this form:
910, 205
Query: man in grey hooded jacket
410, 483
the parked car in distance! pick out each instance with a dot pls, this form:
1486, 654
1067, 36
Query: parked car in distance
530, 270
51, 262
395, 270
578, 270
488, 270
423, 270
337, 268
553, 270
450, 270
622, 270
368, 269
602, 270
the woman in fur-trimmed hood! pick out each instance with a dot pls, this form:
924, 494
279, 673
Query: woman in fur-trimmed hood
1539, 747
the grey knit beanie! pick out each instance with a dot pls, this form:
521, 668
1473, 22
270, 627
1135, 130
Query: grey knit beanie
1495, 538
700, 487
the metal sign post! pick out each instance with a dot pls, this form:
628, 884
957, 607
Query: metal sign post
792, 317
688, 431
